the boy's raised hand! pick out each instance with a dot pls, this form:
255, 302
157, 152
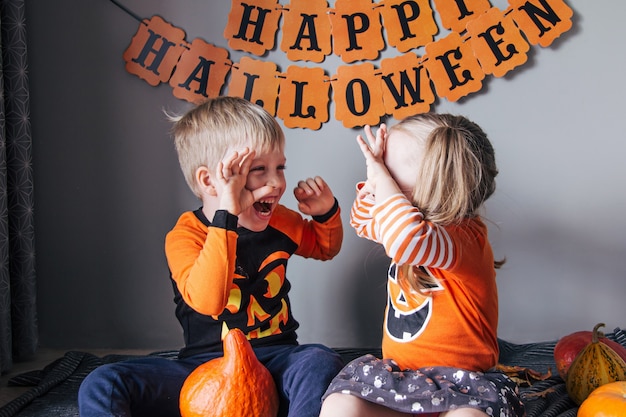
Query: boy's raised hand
314, 196
232, 175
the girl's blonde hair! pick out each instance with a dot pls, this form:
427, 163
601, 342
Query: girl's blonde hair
457, 174
204, 134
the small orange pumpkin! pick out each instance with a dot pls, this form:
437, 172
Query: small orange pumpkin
608, 400
597, 364
236, 384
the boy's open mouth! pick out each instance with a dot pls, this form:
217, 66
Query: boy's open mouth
264, 207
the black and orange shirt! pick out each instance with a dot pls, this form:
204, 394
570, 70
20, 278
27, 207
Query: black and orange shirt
227, 277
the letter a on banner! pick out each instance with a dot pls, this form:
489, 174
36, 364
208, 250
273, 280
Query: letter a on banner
497, 42
201, 72
252, 25
306, 31
256, 81
453, 68
406, 86
409, 23
357, 30
154, 50
304, 97
542, 21
358, 95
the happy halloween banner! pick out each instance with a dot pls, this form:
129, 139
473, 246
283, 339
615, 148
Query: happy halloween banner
483, 40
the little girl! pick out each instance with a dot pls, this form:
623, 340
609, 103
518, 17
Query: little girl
426, 181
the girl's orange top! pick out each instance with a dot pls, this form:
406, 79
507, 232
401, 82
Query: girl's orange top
454, 323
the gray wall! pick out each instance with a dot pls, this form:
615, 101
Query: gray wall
108, 186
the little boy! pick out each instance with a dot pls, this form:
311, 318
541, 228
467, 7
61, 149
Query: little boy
228, 261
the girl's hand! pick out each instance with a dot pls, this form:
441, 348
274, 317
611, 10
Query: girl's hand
314, 196
374, 151
231, 175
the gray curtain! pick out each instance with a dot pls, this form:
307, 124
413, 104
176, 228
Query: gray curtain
18, 316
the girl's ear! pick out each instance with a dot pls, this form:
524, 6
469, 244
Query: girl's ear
204, 180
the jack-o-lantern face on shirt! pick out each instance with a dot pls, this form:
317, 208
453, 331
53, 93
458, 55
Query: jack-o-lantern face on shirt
408, 312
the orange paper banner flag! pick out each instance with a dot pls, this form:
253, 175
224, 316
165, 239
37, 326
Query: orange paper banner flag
453, 68
201, 72
357, 30
542, 21
497, 42
358, 95
252, 25
306, 31
154, 50
408, 90
410, 24
256, 81
456, 14
304, 97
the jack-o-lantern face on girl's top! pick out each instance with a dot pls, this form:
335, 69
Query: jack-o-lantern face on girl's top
408, 312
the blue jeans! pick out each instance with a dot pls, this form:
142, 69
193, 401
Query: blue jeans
150, 386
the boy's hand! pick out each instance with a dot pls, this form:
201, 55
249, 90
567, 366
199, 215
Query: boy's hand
314, 196
232, 175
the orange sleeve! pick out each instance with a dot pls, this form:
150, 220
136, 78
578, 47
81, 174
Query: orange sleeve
202, 262
320, 238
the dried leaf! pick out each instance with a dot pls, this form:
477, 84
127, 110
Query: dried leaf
524, 377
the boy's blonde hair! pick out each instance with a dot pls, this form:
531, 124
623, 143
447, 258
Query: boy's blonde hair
457, 174
204, 134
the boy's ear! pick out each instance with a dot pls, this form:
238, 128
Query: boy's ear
204, 179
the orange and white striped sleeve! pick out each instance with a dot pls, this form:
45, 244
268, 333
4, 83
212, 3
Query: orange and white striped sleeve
401, 229
361, 218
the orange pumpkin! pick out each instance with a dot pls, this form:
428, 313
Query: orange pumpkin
236, 384
608, 400
596, 365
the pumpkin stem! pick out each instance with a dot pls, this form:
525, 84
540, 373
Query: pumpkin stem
595, 337
237, 350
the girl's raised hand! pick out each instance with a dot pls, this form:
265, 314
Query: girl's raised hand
374, 151
375, 144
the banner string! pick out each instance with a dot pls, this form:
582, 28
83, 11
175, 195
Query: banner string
121, 6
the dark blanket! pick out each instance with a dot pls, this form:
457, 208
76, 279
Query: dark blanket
55, 388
